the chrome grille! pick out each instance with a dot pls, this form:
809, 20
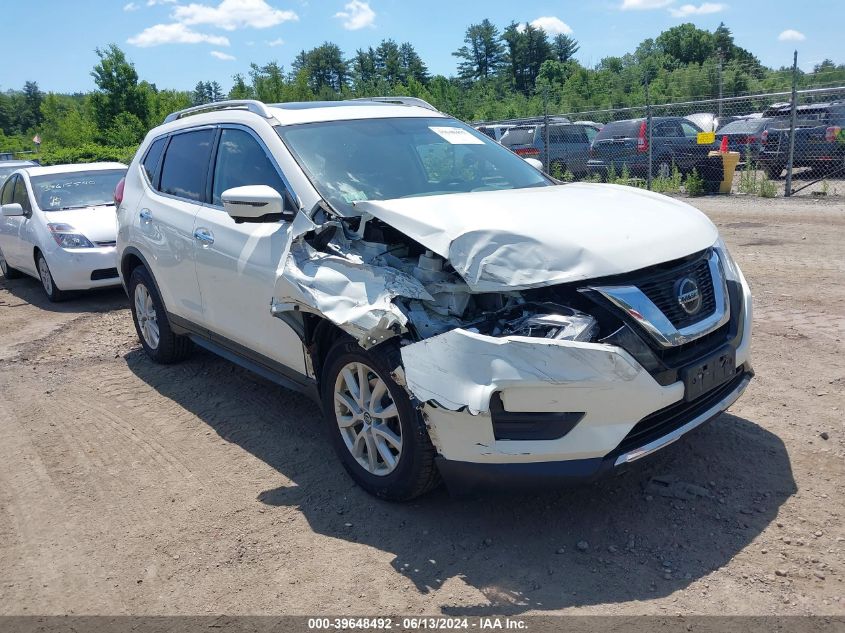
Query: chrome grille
662, 292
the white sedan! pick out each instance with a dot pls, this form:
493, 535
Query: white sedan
58, 225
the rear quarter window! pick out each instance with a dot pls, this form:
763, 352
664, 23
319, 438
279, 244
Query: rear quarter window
153, 158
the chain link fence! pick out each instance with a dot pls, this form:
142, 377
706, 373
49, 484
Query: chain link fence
783, 143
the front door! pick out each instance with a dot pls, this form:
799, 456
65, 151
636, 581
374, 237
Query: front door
237, 264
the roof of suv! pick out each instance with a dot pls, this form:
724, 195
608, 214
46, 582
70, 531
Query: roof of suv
293, 113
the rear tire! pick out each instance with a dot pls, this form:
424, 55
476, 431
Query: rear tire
8, 271
151, 323
47, 282
379, 436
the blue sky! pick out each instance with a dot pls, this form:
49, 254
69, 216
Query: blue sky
175, 43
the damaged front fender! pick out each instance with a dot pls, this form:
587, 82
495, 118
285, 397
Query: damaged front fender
356, 296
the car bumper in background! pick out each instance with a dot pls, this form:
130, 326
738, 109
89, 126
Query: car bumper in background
84, 269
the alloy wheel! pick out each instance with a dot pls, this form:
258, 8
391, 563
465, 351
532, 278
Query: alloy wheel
368, 418
46, 277
145, 313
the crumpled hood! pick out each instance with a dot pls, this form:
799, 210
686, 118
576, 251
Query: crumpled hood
528, 238
98, 224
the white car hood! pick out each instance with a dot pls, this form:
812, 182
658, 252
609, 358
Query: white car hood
528, 238
98, 224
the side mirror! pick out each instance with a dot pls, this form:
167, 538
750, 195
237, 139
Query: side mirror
536, 164
253, 203
12, 210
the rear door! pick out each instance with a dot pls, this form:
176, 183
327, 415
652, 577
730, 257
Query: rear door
164, 220
692, 151
237, 264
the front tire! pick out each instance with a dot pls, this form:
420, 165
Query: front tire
772, 171
151, 323
380, 437
47, 282
8, 271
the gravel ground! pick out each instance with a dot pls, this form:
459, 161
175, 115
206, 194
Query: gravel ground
131, 488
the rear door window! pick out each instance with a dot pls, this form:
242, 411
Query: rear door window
185, 167
242, 161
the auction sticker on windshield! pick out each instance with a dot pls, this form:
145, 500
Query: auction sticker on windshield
456, 135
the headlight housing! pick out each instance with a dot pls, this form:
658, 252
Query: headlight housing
561, 327
732, 271
68, 237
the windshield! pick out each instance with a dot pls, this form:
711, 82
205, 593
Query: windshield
383, 159
76, 190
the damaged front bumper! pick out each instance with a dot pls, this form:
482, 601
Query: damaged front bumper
466, 380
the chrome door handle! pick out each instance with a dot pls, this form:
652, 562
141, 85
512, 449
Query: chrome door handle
146, 215
205, 236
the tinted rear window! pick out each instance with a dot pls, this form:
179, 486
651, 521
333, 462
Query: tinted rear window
519, 136
185, 165
623, 129
153, 158
751, 126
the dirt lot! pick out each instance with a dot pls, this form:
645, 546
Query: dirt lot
129, 488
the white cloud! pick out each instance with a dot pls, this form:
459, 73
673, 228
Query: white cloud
276, 42
174, 34
131, 6
224, 56
152, 3
232, 14
642, 5
552, 25
705, 8
356, 15
791, 35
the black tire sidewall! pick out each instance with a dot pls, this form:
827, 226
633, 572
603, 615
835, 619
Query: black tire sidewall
55, 295
167, 351
402, 482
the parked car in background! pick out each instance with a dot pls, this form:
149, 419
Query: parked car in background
455, 313
58, 224
496, 132
819, 138
569, 145
9, 167
623, 144
745, 136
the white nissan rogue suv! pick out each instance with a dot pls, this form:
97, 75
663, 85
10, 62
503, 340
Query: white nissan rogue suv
457, 313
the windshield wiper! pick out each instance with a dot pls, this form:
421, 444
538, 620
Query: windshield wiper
85, 206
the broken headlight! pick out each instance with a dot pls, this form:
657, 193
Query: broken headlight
560, 327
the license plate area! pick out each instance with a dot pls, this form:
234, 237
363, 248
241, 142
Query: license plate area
709, 373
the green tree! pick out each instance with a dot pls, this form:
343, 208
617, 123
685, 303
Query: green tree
564, 47
118, 91
240, 89
482, 53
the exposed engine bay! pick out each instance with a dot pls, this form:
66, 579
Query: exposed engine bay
430, 296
